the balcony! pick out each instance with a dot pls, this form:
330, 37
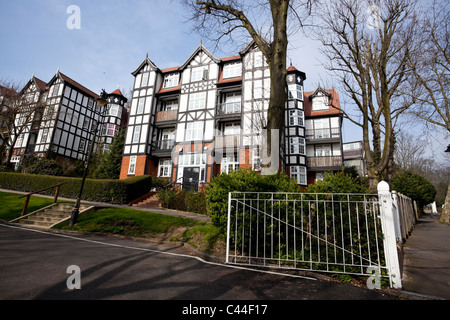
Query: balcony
229, 111
328, 134
163, 147
166, 117
324, 162
224, 142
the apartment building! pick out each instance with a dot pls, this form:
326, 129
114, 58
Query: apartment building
323, 133
67, 119
354, 157
192, 122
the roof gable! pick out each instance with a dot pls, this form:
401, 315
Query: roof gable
199, 49
144, 63
72, 82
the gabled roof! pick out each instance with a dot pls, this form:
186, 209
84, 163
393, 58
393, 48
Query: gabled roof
72, 83
146, 61
192, 56
41, 85
334, 108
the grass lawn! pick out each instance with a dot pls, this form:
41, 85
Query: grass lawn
130, 222
11, 206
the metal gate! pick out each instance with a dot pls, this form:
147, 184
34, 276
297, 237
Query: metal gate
336, 233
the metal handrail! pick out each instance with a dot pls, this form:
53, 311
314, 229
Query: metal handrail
28, 196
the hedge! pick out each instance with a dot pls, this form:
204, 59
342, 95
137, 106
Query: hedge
107, 191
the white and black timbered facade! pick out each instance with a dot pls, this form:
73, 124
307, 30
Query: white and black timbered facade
67, 121
192, 122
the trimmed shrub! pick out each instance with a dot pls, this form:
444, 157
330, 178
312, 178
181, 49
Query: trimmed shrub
244, 181
46, 167
339, 182
414, 186
108, 191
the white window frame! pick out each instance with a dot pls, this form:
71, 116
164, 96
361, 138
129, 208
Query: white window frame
194, 131
296, 118
297, 145
44, 135
199, 73
232, 70
137, 134
197, 100
145, 79
132, 165
140, 106
229, 164
299, 174
165, 168
295, 91
171, 80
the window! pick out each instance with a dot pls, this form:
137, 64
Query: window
169, 105
192, 160
296, 118
111, 130
145, 80
171, 80
299, 174
229, 164
55, 90
114, 110
140, 108
257, 159
19, 141
197, 101
320, 103
231, 103
200, 73
232, 70
82, 145
165, 168
137, 134
231, 129
194, 131
297, 145
132, 166
295, 91
44, 136
323, 150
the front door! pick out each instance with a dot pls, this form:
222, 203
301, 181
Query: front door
190, 179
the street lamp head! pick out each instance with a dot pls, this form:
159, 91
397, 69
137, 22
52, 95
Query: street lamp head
102, 100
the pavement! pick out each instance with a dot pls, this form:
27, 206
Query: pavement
426, 264
426, 254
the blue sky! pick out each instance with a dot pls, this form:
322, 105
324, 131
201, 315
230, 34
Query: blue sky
113, 40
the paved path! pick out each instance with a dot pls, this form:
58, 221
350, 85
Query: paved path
33, 265
427, 258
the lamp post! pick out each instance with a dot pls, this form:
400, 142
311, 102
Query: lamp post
101, 102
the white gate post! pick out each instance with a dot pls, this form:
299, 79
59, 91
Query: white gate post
390, 243
228, 229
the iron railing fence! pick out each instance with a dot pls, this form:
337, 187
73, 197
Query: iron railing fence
338, 233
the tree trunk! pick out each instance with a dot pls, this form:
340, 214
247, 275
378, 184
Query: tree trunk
445, 215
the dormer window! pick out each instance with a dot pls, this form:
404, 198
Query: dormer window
232, 70
171, 80
320, 102
200, 73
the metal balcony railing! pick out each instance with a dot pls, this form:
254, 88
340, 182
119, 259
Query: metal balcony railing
229, 108
163, 145
329, 133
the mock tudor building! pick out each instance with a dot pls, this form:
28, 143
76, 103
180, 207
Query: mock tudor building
192, 122
67, 120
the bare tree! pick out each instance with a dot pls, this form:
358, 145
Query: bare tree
430, 84
18, 111
367, 45
223, 20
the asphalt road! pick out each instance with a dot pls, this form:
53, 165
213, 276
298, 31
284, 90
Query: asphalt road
34, 266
